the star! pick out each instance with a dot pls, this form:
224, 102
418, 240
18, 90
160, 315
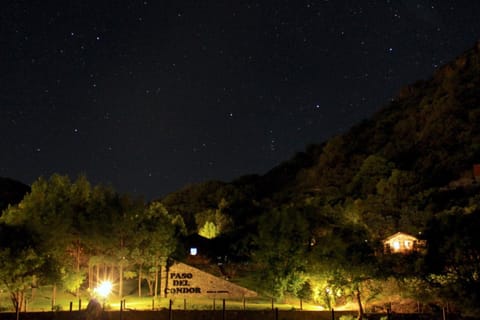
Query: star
187, 86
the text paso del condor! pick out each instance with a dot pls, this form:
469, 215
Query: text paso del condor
182, 290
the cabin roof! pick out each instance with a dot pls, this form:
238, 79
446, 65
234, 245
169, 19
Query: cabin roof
400, 234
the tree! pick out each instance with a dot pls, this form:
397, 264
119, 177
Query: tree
158, 233
373, 169
394, 204
47, 213
453, 256
126, 213
213, 222
335, 168
347, 259
21, 263
282, 241
194, 199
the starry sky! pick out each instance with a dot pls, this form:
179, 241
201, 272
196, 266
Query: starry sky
149, 96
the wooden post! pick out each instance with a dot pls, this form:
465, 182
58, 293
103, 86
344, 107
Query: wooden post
153, 304
54, 295
301, 304
213, 303
184, 304
272, 303
79, 304
17, 311
243, 303
156, 278
223, 309
170, 315
333, 314
276, 313
71, 306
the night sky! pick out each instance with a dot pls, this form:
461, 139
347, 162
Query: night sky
149, 96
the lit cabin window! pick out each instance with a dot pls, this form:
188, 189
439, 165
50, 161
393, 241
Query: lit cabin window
396, 245
408, 244
193, 251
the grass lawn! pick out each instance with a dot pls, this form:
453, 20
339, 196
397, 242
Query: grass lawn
40, 299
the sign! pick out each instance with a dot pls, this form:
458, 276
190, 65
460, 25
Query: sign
181, 285
186, 281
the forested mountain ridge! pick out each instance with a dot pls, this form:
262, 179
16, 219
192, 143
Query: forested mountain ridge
319, 219
430, 128
424, 139
311, 228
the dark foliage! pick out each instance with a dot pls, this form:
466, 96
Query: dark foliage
407, 168
11, 192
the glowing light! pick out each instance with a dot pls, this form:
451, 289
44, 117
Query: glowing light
396, 245
104, 289
408, 244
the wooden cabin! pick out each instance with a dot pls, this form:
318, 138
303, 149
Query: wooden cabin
402, 243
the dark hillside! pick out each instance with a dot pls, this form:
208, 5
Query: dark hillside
385, 169
431, 128
11, 192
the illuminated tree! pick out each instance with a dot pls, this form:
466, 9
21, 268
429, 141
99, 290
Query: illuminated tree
282, 241
213, 222
346, 258
106, 227
21, 263
209, 230
123, 229
47, 212
195, 199
158, 233
92, 228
